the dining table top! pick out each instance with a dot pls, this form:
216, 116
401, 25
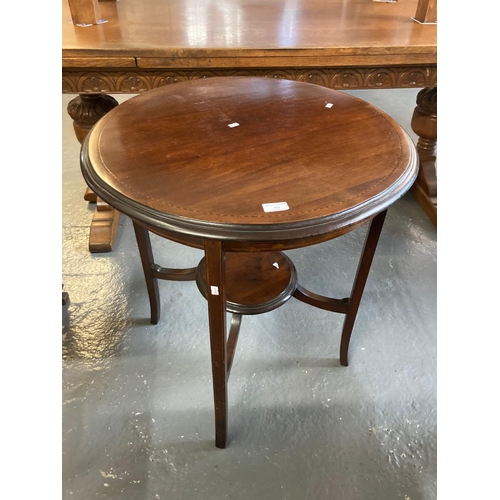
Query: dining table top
249, 33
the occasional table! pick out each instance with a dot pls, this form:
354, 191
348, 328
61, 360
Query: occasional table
339, 44
246, 168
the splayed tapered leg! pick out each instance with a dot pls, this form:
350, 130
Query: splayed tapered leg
146, 252
359, 283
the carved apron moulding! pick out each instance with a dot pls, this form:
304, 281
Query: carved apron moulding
133, 84
337, 78
95, 83
316, 77
381, 79
68, 85
347, 79
413, 78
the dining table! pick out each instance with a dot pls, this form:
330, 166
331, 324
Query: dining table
139, 45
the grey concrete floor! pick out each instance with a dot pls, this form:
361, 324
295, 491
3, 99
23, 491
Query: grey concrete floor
137, 399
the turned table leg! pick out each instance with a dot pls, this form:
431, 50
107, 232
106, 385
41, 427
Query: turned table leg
424, 124
86, 110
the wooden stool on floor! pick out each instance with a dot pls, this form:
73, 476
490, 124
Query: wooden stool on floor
244, 168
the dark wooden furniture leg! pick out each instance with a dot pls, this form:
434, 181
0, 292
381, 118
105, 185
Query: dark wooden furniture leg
214, 255
146, 252
359, 283
153, 272
424, 124
222, 350
86, 110
65, 297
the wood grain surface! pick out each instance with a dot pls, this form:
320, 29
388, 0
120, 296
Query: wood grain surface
172, 155
190, 33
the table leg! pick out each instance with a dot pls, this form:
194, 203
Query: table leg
146, 253
359, 283
86, 110
65, 297
214, 257
424, 124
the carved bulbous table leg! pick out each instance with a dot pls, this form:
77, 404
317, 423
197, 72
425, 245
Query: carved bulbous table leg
86, 110
424, 124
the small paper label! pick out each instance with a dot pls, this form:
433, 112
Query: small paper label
232, 125
275, 207
214, 290
329, 105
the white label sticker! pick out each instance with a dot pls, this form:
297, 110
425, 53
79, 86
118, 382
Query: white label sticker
275, 207
329, 105
232, 125
214, 290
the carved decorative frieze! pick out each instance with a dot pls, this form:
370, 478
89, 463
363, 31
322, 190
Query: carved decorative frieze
94, 83
132, 84
347, 79
381, 78
413, 78
139, 80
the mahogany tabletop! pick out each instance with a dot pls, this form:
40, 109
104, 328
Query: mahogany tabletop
245, 158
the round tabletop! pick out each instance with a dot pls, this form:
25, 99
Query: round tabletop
248, 159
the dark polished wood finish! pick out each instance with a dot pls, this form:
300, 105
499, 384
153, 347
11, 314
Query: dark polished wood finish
146, 253
255, 282
214, 254
340, 44
232, 340
210, 180
203, 162
359, 283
